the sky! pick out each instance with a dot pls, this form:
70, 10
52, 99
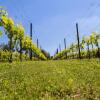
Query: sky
54, 20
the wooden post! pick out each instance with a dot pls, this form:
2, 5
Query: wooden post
20, 49
78, 40
37, 43
57, 51
31, 39
65, 43
10, 48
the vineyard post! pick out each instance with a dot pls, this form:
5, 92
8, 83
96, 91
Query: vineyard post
88, 51
65, 46
37, 43
10, 47
31, 39
78, 40
57, 51
98, 50
21, 49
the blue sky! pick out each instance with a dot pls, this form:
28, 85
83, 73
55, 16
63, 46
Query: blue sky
54, 20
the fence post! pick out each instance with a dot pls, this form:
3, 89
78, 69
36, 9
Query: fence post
37, 43
78, 40
31, 39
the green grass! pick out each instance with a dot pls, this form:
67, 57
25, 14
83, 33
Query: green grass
50, 80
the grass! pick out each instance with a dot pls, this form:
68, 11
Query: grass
50, 80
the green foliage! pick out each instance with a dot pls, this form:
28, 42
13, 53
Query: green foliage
3, 12
72, 51
19, 31
16, 35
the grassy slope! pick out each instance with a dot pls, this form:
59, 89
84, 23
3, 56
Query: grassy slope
72, 79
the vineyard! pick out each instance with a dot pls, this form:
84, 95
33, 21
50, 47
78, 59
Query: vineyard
21, 46
16, 36
86, 42
28, 72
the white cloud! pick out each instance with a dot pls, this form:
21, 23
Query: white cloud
88, 25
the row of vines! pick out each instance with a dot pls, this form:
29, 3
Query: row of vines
19, 44
89, 48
